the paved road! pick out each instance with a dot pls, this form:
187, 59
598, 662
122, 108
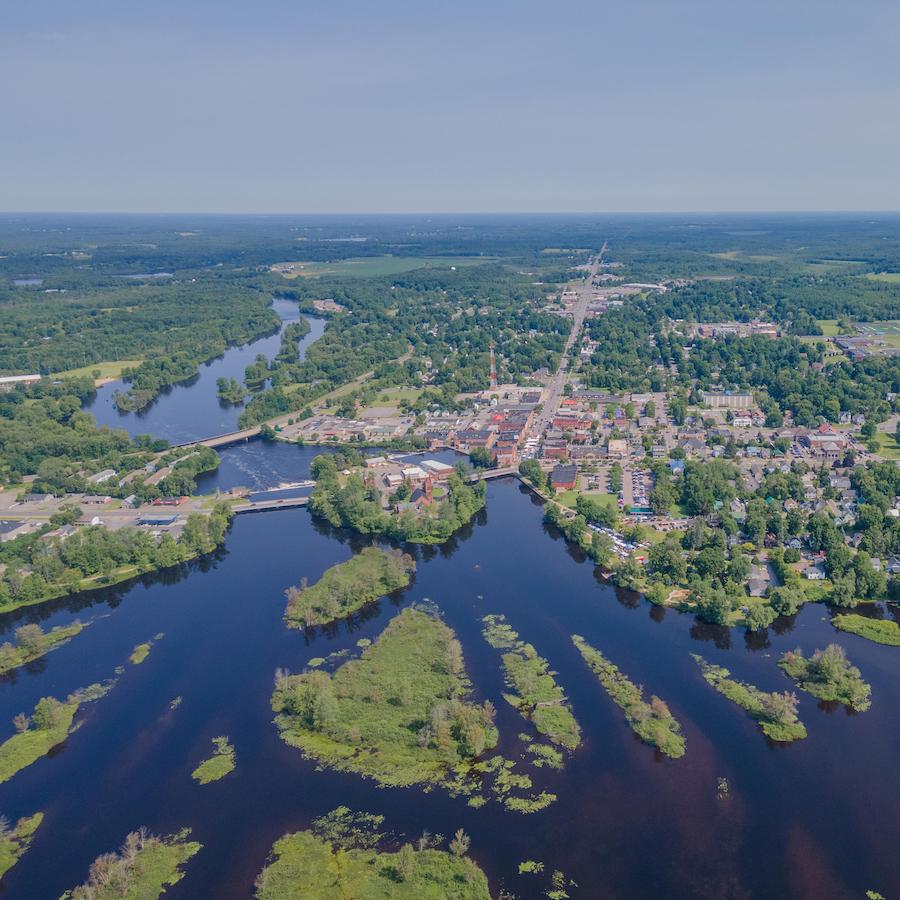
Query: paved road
553, 392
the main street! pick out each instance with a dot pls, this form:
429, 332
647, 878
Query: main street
553, 392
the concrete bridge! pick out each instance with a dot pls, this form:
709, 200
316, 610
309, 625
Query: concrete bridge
223, 440
264, 505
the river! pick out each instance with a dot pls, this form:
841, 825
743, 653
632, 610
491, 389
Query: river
819, 818
191, 409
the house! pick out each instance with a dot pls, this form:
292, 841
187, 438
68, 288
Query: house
757, 587
692, 446
96, 499
37, 498
815, 572
8, 382
157, 521
13, 528
102, 476
564, 477
617, 448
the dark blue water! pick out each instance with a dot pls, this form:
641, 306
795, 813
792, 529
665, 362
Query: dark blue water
192, 410
816, 819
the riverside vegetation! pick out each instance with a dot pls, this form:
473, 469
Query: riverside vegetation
882, 631
94, 557
142, 869
829, 675
50, 724
31, 642
775, 712
652, 722
340, 857
535, 692
15, 839
218, 765
348, 586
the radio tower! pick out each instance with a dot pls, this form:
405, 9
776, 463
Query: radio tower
493, 369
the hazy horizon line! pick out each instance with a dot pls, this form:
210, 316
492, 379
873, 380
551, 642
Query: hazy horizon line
559, 212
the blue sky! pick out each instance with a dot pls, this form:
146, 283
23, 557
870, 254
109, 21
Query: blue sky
387, 106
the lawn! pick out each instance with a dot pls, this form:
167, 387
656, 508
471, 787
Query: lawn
570, 498
890, 277
374, 266
106, 370
829, 327
393, 396
888, 448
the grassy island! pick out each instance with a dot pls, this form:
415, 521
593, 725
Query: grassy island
218, 765
775, 712
31, 643
348, 497
142, 651
829, 675
329, 862
14, 841
50, 724
882, 631
398, 714
652, 721
535, 691
348, 586
141, 870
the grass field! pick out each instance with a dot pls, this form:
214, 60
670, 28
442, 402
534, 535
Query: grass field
890, 277
888, 448
829, 327
370, 267
393, 396
106, 369
570, 498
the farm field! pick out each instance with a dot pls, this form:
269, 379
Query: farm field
375, 266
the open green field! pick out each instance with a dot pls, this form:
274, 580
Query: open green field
890, 277
829, 327
570, 498
105, 369
888, 448
370, 267
393, 396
